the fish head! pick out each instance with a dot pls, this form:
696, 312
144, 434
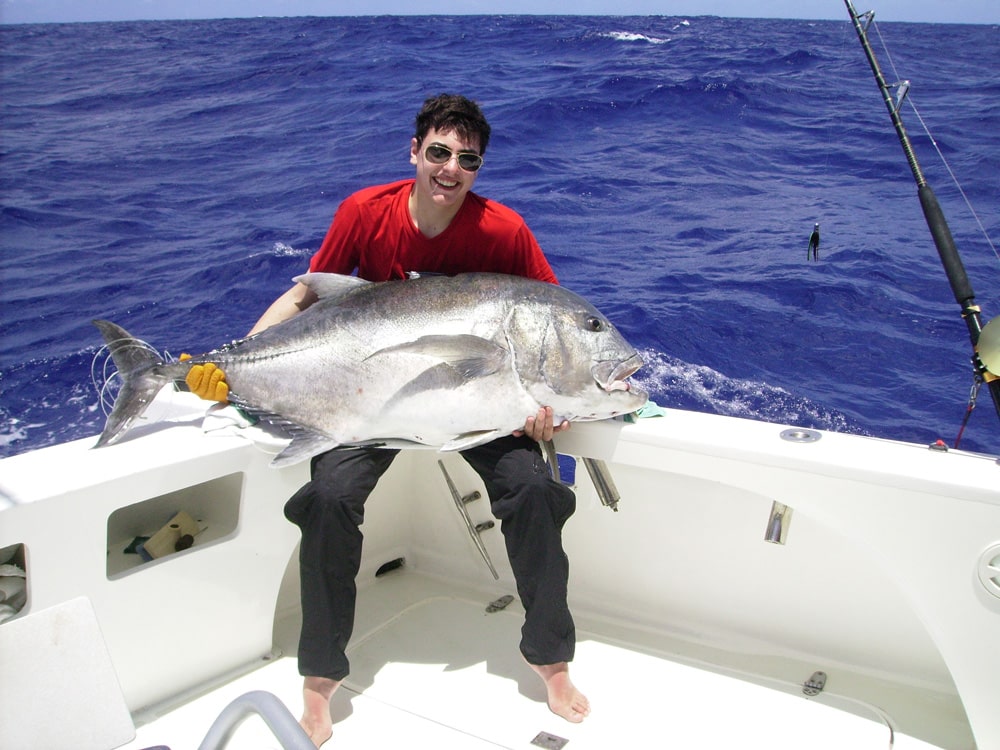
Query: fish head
571, 357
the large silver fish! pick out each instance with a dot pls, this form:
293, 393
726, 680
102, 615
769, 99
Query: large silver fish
442, 362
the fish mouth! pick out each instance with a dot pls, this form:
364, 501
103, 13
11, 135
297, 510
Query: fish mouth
611, 376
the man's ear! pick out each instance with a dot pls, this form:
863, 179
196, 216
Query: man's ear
414, 147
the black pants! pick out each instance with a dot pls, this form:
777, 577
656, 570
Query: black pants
532, 509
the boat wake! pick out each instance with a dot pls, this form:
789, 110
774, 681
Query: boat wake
674, 383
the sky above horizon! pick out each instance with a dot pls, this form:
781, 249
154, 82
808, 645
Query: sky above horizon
923, 11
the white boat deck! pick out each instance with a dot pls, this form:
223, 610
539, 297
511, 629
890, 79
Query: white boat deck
693, 631
431, 668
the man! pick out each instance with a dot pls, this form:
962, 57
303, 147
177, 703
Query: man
430, 224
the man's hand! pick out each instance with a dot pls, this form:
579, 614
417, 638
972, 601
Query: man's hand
207, 381
540, 427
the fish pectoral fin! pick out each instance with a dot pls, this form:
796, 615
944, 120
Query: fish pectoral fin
471, 439
472, 356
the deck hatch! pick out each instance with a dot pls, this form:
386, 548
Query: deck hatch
989, 569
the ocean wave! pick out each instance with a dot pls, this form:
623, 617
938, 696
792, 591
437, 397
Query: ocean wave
632, 36
174, 176
671, 382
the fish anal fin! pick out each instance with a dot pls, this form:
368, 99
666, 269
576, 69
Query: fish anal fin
471, 439
304, 446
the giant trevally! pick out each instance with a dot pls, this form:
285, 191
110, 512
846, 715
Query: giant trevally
438, 361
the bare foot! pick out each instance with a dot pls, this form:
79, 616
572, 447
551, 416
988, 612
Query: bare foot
316, 721
564, 699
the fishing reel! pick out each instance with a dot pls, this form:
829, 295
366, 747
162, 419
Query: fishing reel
988, 347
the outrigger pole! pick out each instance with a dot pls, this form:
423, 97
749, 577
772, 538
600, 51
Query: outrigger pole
933, 214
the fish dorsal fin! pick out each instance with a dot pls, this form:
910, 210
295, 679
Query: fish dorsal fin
472, 356
330, 285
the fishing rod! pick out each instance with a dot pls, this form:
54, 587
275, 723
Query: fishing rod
953, 267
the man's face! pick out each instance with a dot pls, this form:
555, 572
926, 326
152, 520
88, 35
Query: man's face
445, 184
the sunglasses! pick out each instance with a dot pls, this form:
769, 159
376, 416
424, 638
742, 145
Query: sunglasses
467, 160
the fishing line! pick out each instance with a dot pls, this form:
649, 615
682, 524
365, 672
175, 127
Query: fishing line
106, 378
933, 140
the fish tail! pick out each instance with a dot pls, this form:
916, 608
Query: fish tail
138, 366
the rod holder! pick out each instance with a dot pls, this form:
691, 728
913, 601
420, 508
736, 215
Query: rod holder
600, 475
777, 523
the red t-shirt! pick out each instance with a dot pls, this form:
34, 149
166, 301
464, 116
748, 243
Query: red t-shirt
373, 232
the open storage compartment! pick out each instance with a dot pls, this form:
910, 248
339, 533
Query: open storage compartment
212, 506
13, 581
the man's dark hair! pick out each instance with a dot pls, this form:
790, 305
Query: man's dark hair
451, 112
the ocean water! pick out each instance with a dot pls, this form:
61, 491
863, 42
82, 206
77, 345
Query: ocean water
174, 176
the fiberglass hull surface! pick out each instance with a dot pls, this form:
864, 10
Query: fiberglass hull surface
879, 580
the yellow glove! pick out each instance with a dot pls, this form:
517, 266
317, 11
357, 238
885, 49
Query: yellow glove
207, 381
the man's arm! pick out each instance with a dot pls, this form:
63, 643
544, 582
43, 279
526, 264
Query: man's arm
209, 381
289, 304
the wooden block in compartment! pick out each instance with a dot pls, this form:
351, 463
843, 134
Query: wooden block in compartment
164, 541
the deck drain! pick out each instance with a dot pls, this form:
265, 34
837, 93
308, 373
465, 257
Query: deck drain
498, 605
549, 741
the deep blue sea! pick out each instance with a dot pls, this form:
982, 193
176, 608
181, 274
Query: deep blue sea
174, 176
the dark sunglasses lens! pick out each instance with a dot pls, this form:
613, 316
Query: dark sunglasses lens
437, 154
470, 162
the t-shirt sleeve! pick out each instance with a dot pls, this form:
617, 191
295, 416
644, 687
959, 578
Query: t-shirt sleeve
340, 251
535, 264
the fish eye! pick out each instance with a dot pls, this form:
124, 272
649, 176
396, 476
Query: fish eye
595, 324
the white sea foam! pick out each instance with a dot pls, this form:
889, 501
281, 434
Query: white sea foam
630, 36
